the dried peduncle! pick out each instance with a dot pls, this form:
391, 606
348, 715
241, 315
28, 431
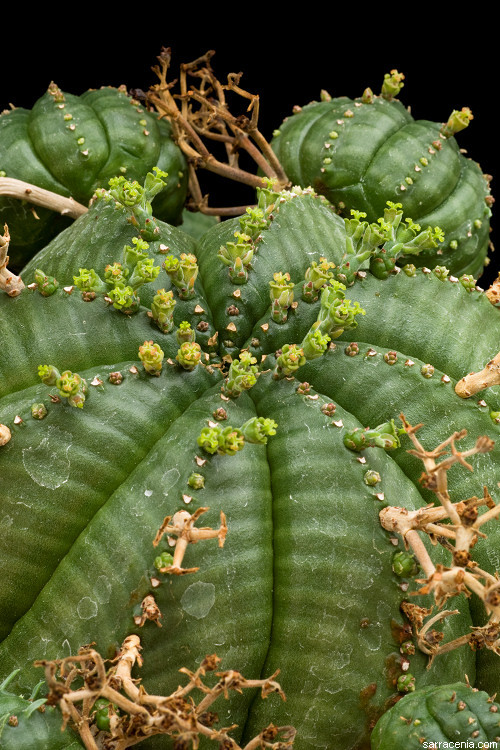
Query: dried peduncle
9, 282
457, 527
199, 113
135, 715
478, 381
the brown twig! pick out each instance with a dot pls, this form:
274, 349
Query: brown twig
463, 576
203, 113
40, 197
135, 715
9, 282
478, 381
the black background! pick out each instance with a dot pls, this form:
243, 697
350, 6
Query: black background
448, 61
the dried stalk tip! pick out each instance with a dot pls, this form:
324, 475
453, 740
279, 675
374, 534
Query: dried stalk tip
457, 527
132, 715
8, 281
478, 381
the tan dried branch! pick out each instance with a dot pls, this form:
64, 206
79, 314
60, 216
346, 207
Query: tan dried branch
183, 528
134, 715
456, 526
10, 283
478, 381
493, 293
41, 197
203, 115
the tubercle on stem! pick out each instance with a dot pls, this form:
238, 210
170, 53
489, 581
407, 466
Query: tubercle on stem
458, 537
137, 715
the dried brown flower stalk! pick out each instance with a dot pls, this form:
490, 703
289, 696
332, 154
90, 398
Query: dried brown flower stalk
183, 528
8, 281
478, 381
203, 115
456, 526
134, 715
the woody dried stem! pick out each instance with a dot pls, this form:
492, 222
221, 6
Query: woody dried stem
39, 197
457, 527
135, 715
203, 115
9, 282
478, 381
183, 528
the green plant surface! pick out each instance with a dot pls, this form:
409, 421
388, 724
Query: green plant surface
305, 582
361, 152
450, 714
72, 145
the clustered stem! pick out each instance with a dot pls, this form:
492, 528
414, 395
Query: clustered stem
213, 121
134, 715
457, 527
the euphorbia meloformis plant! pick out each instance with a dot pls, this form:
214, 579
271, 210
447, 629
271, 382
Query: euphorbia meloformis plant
202, 436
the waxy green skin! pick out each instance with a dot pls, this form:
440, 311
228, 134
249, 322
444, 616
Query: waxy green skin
305, 581
42, 146
360, 155
448, 714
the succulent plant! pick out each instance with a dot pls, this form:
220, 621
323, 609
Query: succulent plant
362, 152
280, 422
445, 716
72, 145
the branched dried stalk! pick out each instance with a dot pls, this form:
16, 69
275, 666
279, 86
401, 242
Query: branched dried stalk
134, 715
10, 283
183, 528
457, 526
203, 115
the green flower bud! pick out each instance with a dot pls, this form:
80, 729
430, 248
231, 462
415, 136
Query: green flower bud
314, 344
185, 332
281, 296
406, 683
196, 481
441, 272
125, 192
258, 429
410, 269
403, 564
163, 561
242, 375
89, 281
253, 222
38, 411
371, 478
238, 256
458, 120
48, 374
124, 299
407, 648
289, 361
46, 285
162, 310
231, 440
132, 255
114, 274
384, 436
392, 85
144, 272
468, 282
189, 355
182, 272
151, 356
427, 371
317, 275
209, 439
